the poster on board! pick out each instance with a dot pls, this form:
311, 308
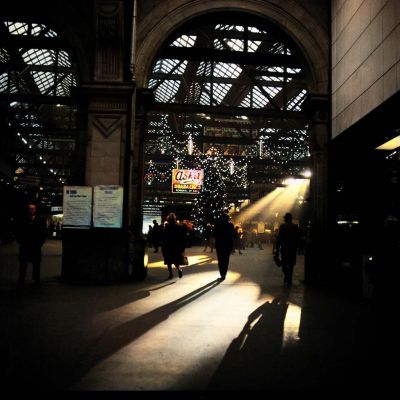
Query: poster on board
77, 206
107, 206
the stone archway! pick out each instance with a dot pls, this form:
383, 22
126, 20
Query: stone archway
292, 17
310, 36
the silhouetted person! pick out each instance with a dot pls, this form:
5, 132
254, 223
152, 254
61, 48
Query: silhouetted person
149, 238
287, 243
208, 238
156, 235
31, 233
224, 234
173, 244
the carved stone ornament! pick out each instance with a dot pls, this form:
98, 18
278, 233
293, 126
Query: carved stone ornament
107, 125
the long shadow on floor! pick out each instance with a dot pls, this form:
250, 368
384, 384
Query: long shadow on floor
124, 334
254, 354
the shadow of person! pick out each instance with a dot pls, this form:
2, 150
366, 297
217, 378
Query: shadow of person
123, 335
252, 359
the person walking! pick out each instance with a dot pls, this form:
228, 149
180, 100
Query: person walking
224, 234
31, 234
173, 245
287, 243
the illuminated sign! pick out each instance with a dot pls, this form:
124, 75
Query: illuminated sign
187, 180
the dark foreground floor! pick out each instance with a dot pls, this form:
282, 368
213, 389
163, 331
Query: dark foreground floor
191, 334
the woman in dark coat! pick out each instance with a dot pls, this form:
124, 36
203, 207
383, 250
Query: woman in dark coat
173, 244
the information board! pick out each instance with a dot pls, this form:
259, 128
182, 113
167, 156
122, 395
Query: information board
77, 206
107, 206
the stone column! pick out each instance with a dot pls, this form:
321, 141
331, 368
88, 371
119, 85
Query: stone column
316, 259
101, 254
138, 248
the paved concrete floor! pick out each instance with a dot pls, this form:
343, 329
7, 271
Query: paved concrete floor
191, 334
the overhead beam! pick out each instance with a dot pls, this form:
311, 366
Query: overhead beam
224, 110
229, 56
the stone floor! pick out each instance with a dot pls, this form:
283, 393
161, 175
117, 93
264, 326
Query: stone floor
195, 334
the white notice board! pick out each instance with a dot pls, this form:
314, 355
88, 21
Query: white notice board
107, 206
77, 206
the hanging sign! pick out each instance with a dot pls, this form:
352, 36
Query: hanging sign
187, 180
77, 206
107, 206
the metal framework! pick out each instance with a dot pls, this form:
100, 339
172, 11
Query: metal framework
38, 115
237, 84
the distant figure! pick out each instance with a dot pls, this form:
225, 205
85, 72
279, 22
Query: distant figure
237, 240
287, 243
149, 238
173, 244
156, 235
58, 230
31, 233
224, 234
208, 238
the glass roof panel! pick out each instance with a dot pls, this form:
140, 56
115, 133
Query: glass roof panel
64, 86
185, 41
259, 100
39, 29
43, 80
253, 45
39, 57
235, 44
218, 44
4, 56
205, 99
219, 92
167, 65
224, 70
3, 82
63, 59
224, 27
296, 102
17, 28
166, 91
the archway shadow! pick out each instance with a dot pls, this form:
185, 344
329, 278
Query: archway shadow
124, 334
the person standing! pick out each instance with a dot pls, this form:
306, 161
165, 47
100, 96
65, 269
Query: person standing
287, 243
173, 244
224, 234
156, 235
30, 234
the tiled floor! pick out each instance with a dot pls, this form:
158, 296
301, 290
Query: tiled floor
190, 334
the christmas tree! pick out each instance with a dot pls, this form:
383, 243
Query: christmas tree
211, 201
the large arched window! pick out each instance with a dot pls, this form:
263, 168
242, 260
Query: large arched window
235, 83
38, 138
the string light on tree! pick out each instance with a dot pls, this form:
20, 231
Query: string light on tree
260, 147
231, 166
190, 145
211, 201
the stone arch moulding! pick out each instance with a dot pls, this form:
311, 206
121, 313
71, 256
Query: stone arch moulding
289, 15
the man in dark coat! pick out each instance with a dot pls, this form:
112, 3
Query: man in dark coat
30, 234
287, 243
224, 233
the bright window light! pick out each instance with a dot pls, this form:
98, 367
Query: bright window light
390, 145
